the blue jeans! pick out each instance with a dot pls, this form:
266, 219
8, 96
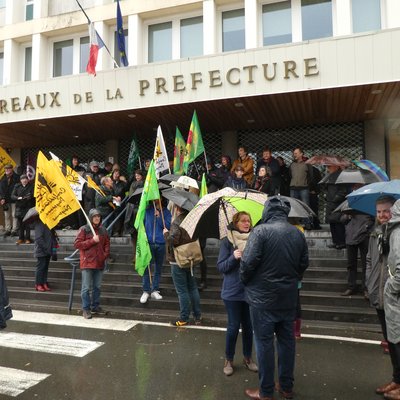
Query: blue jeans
302, 194
158, 253
91, 281
238, 314
188, 294
266, 323
42, 268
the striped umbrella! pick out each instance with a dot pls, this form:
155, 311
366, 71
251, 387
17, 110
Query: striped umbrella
371, 166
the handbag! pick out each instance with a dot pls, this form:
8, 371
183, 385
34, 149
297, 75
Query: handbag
189, 254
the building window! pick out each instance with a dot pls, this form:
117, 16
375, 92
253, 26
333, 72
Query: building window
29, 10
63, 58
117, 57
277, 23
191, 35
366, 15
84, 48
160, 42
233, 30
28, 64
1, 68
2, 3
316, 19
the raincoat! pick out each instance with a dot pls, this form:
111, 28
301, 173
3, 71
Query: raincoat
274, 260
392, 286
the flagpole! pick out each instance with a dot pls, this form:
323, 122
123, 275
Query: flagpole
205, 158
89, 21
140, 163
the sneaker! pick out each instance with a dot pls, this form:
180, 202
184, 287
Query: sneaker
87, 314
98, 310
179, 323
228, 368
27, 241
156, 295
250, 364
145, 296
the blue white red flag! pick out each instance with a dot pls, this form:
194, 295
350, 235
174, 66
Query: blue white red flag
96, 43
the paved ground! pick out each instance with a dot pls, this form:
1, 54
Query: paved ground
127, 360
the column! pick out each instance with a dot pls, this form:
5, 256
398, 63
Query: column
40, 9
11, 57
104, 60
135, 42
297, 33
229, 143
15, 11
341, 16
251, 23
391, 14
374, 136
40, 69
111, 151
209, 27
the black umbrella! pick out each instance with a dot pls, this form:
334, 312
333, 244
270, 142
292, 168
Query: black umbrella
134, 197
357, 176
180, 197
169, 178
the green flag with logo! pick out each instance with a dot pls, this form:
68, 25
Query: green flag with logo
194, 144
150, 192
203, 187
132, 157
179, 152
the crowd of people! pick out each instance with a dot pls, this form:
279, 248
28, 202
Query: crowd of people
262, 266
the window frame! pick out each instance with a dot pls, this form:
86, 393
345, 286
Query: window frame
220, 11
175, 19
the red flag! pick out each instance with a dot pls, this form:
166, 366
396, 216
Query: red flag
95, 45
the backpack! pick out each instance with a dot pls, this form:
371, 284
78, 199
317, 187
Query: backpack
189, 254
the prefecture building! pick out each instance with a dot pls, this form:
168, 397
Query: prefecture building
322, 74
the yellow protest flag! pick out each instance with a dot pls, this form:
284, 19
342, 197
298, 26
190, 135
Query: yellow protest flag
93, 185
4, 160
55, 199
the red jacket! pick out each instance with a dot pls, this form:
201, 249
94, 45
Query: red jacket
92, 254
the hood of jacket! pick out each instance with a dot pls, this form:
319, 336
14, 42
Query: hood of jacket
395, 214
275, 208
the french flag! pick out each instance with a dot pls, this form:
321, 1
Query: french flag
96, 43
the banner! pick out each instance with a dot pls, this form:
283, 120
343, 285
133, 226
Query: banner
74, 179
55, 199
4, 160
160, 157
194, 145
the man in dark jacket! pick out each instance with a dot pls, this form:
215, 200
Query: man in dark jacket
106, 204
273, 263
5, 309
7, 184
94, 250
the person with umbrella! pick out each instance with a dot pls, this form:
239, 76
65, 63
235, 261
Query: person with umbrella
376, 276
184, 281
232, 292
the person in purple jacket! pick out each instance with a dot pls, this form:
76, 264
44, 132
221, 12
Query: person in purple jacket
233, 292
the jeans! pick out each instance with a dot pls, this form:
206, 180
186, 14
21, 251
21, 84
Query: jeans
302, 194
158, 253
188, 294
238, 314
352, 252
91, 281
394, 349
42, 267
266, 323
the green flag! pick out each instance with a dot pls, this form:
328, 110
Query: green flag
133, 157
143, 252
194, 145
150, 192
203, 188
179, 152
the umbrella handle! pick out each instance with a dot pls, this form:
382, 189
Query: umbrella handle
227, 220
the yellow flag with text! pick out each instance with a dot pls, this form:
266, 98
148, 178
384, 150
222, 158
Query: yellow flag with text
4, 160
55, 199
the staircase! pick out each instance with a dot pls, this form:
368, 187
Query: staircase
322, 305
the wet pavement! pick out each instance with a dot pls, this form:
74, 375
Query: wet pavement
166, 363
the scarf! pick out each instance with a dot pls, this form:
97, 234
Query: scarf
238, 239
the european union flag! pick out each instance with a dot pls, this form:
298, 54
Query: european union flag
121, 37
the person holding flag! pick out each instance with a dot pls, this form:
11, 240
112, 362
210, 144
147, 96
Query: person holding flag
154, 222
143, 251
93, 243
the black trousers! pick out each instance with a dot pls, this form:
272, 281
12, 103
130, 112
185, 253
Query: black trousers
352, 253
338, 233
394, 349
